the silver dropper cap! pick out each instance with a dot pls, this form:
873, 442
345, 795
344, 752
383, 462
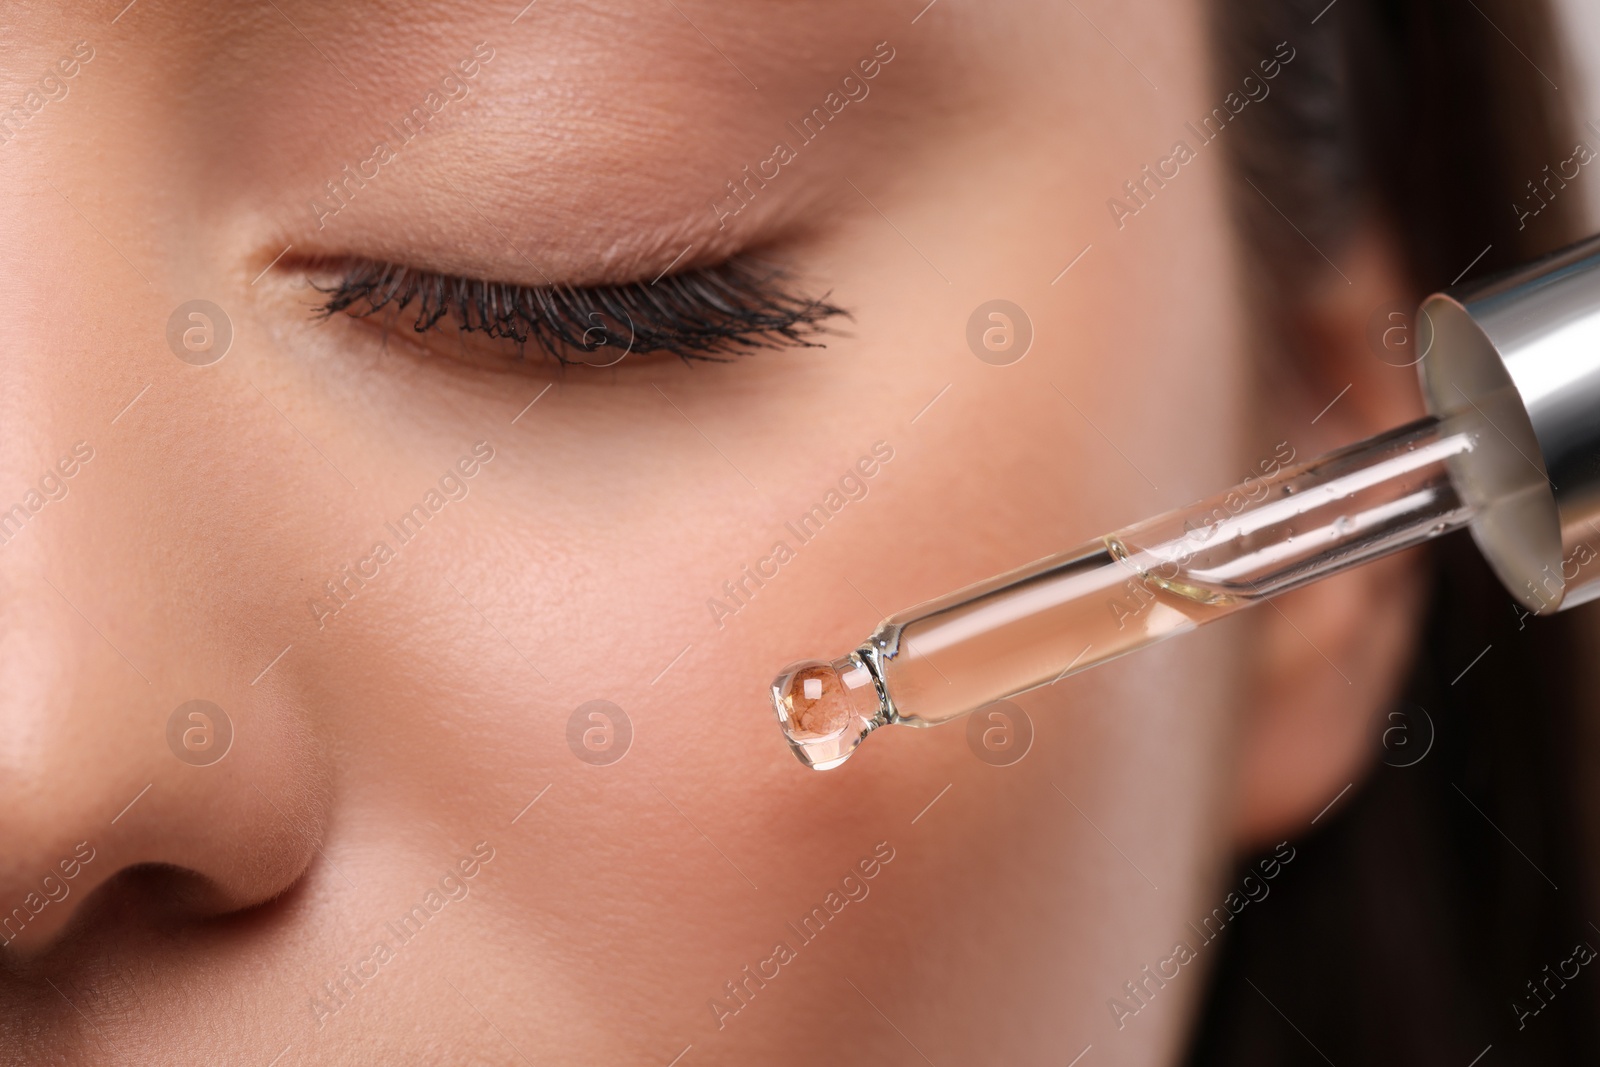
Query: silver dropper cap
1522, 351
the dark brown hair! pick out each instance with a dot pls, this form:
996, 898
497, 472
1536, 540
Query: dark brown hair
1431, 913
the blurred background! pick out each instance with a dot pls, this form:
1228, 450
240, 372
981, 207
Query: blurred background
1450, 904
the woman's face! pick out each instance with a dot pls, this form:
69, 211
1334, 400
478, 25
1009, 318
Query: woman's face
399, 573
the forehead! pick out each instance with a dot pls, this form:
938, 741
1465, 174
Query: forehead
594, 136
572, 119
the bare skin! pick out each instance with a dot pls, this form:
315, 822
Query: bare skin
390, 738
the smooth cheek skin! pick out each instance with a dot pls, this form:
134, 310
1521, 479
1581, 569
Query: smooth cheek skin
430, 709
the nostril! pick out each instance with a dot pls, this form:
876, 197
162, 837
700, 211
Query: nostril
200, 841
137, 911
153, 898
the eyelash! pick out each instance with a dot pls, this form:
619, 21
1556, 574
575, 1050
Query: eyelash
713, 313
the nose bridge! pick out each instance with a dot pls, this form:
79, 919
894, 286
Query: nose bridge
75, 713
125, 740
51, 673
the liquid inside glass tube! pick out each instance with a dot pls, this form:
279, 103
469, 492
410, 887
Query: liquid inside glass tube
1051, 619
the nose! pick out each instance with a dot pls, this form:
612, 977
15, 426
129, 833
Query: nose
103, 772
131, 735
90, 787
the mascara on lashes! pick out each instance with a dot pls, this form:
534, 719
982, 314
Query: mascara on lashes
711, 313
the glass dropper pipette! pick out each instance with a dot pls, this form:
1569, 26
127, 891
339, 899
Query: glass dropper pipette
1067, 613
1511, 372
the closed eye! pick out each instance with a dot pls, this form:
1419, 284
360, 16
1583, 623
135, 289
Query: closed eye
710, 313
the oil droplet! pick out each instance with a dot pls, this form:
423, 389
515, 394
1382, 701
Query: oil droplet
825, 709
